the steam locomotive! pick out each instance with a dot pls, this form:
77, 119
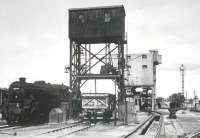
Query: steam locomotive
32, 102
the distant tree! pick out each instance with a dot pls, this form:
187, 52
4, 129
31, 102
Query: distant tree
176, 100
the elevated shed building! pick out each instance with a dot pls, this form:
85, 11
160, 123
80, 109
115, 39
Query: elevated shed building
88, 27
97, 24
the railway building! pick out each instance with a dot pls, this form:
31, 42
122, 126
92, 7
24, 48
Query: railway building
140, 73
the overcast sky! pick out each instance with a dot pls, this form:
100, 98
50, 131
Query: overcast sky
34, 39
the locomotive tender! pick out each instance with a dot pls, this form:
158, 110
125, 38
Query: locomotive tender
32, 102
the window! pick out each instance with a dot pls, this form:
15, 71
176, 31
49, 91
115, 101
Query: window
144, 56
144, 66
107, 17
81, 19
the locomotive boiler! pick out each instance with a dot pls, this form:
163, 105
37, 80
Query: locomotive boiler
32, 102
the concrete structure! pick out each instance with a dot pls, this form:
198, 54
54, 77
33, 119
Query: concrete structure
132, 109
66, 109
140, 69
56, 116
140, 72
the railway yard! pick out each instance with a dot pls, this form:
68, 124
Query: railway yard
98, 56
147, 126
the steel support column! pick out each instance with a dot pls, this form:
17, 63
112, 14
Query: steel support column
82, 69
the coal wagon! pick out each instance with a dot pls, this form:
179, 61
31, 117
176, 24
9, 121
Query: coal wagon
98, 106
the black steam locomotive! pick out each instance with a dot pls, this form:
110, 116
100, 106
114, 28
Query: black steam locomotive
32, 102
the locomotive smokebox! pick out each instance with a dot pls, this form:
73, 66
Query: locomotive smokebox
22, 80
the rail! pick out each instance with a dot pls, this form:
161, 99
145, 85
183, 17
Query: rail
63, 128
6, 127
82, 129
195, 135
138, 128
145, 125
161, 123
11, 128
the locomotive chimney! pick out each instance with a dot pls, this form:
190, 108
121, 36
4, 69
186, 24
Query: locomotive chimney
22, 80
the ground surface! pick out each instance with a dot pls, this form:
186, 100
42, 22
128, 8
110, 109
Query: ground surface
111, 131
186, 123
189, 121
99, 130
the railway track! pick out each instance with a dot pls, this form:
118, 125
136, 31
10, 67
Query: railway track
69, 133
10, 128
65, 131
194, 135
3, 126
152, 124
7, 127
31, 131
161, 124
14, 127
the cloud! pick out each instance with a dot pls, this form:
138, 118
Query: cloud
49, 36
34, 40
169, 21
